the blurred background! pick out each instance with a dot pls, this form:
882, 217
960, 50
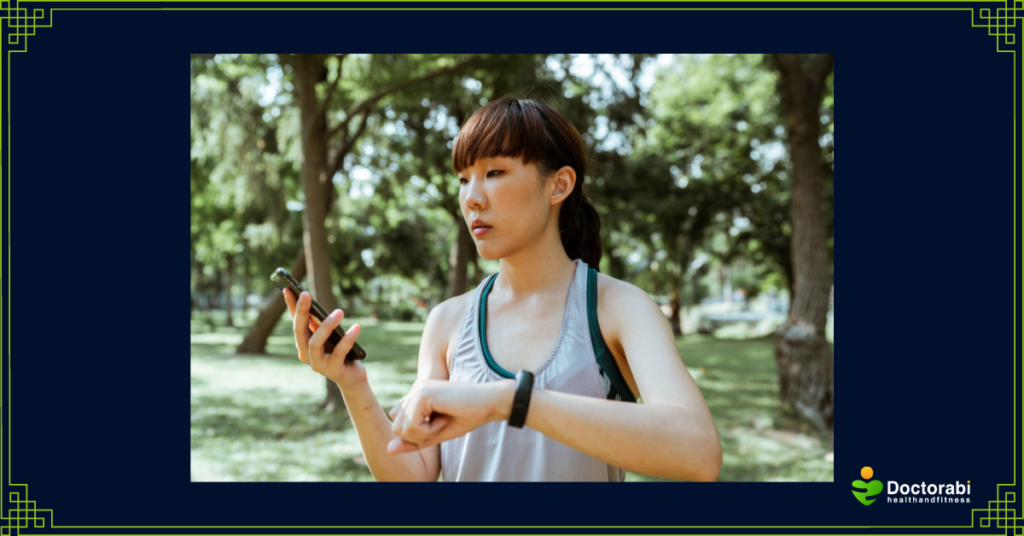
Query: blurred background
713, 175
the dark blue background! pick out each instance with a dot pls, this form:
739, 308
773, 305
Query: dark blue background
98, 362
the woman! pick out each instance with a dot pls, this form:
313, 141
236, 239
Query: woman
594, 343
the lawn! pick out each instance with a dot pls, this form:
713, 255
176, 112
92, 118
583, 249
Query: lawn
255, 418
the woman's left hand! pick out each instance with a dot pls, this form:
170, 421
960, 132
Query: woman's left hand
438, 410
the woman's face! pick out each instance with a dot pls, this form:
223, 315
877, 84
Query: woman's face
504, 205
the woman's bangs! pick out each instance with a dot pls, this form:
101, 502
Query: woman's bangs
502, 128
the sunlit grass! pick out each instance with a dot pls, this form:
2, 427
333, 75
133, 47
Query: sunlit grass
760, 442
256, 418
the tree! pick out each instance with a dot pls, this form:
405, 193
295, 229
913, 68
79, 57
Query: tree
803, 354
692, 175
319, 166
235, 181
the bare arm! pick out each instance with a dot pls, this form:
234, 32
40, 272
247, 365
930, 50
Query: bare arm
371, 423
670, 435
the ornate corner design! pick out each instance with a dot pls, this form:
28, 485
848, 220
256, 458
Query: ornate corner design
20, 23
1002, 24
1002, 513
21, 513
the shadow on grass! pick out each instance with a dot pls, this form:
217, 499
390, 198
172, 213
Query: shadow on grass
241, 415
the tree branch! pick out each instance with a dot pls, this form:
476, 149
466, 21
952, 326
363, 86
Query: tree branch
339, 158
366, 104
333, 87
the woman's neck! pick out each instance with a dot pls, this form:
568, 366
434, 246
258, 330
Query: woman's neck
539, 269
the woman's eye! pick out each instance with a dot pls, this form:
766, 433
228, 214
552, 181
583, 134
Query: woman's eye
462, 180
495, 172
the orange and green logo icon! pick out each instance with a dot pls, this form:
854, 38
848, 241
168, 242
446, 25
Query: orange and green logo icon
871, 487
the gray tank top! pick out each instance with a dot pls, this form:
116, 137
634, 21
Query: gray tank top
498, 452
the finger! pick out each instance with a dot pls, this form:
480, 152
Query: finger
292, 302
401, 446
445, 434
347, 342
302, 333
414, 426
396, 424
415, 434
437, 424
316, 342
302, 318
428, 430
397, 409
433, 428
289, 298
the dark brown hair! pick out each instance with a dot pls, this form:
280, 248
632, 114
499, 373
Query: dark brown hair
536, 132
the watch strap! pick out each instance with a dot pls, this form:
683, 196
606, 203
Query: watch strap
521, 402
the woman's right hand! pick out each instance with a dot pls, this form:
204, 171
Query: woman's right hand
311, 346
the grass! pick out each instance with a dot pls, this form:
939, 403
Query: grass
256, 418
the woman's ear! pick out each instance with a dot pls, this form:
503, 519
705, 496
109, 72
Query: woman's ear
565, 181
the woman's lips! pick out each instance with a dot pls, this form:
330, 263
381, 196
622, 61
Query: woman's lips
479, 231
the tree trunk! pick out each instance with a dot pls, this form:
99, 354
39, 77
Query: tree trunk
310, 69
229, 322
803, 355
676, 304
461, 251
218, 288
246, 287
255, 341
317, 171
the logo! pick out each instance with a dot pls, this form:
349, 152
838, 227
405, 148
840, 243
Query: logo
916, 493
870, 488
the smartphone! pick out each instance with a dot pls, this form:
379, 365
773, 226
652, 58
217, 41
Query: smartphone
284, 280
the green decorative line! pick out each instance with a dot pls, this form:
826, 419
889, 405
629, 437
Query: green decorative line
1000, 24
881, 2
21, 24
19, 512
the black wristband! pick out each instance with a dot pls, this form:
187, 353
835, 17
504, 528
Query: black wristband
521, 402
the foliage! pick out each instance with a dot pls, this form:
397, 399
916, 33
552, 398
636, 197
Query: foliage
689, 173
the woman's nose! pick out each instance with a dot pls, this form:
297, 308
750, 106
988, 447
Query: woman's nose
475, 197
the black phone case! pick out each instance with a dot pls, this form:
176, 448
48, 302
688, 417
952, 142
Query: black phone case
284, 280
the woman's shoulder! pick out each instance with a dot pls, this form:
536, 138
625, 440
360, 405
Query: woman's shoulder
450, 313
441, 333
621, 304
616, 292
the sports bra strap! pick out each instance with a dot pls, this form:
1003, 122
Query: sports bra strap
605, 360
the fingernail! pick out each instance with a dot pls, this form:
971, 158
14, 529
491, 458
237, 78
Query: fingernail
336, 313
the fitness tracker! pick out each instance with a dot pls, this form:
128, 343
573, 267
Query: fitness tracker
521, 402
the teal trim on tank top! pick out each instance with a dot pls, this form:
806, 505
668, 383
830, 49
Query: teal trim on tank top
483, 332
602, 354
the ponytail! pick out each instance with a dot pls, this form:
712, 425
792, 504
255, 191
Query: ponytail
580, 229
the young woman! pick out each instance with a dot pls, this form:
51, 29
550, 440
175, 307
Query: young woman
594, 344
